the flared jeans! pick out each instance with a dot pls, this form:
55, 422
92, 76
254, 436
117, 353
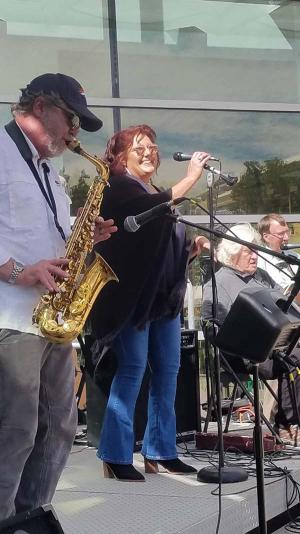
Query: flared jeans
159, 345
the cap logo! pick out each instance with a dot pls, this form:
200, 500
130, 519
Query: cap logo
81, 91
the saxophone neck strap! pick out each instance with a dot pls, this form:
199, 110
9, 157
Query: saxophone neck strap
17, 136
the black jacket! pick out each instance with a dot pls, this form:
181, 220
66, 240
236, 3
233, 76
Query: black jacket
132, 256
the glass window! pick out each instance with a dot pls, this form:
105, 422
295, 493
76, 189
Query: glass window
54, 36
261, 149
209, 50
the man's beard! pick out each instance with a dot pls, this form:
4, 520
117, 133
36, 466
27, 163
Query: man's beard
54, 148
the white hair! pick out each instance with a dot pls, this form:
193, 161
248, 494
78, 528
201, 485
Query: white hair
227, 249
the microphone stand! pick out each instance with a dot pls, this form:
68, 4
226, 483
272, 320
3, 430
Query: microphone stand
258, 441
292, 260
222, 473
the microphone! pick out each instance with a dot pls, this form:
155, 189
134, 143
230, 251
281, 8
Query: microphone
290, 246
228, 179
133, 222
180, 156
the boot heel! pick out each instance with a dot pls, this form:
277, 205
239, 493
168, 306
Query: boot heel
151, 466
108, 473
125, 472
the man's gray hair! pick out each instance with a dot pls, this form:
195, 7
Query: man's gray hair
27, 99
227, 249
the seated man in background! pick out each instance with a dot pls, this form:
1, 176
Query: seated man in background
274, 233
239, 270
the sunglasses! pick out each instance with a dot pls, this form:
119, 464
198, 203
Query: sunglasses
73, 119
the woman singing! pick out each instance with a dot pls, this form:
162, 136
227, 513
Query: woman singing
139, 318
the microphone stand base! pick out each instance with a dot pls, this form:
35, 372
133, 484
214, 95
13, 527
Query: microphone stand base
229, 475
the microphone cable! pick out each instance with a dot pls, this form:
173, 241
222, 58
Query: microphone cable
273, 472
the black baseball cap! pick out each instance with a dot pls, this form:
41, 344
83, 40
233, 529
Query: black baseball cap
71, 92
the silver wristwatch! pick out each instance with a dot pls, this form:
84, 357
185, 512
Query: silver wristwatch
17, 269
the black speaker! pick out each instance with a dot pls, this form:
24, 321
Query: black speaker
187, 404
43, 520
256, 325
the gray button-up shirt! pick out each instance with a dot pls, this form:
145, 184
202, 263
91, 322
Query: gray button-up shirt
229, 284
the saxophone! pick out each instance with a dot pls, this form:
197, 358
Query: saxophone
61, 316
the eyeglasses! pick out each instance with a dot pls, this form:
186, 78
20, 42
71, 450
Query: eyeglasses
73, 119
281, 235
140, 150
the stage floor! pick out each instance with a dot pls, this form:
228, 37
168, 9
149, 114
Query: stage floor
87, 503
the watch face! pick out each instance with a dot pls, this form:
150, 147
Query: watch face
17, 269
19, 266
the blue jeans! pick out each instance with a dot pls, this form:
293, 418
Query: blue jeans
159, 343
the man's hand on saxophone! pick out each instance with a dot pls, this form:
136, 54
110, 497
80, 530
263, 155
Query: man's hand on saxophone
43, 272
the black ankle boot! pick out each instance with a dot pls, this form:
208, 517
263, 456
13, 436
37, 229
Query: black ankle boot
124, 472
176, 466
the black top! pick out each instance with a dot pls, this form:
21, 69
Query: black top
151, 263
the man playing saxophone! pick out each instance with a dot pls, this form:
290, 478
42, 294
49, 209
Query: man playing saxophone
38, 415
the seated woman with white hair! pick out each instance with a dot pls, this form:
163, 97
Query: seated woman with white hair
238, 271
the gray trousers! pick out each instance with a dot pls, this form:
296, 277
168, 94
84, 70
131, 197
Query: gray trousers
38, 418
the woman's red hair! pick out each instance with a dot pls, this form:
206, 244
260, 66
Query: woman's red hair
119, 144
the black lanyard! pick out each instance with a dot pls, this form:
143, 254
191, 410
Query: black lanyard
17, 136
